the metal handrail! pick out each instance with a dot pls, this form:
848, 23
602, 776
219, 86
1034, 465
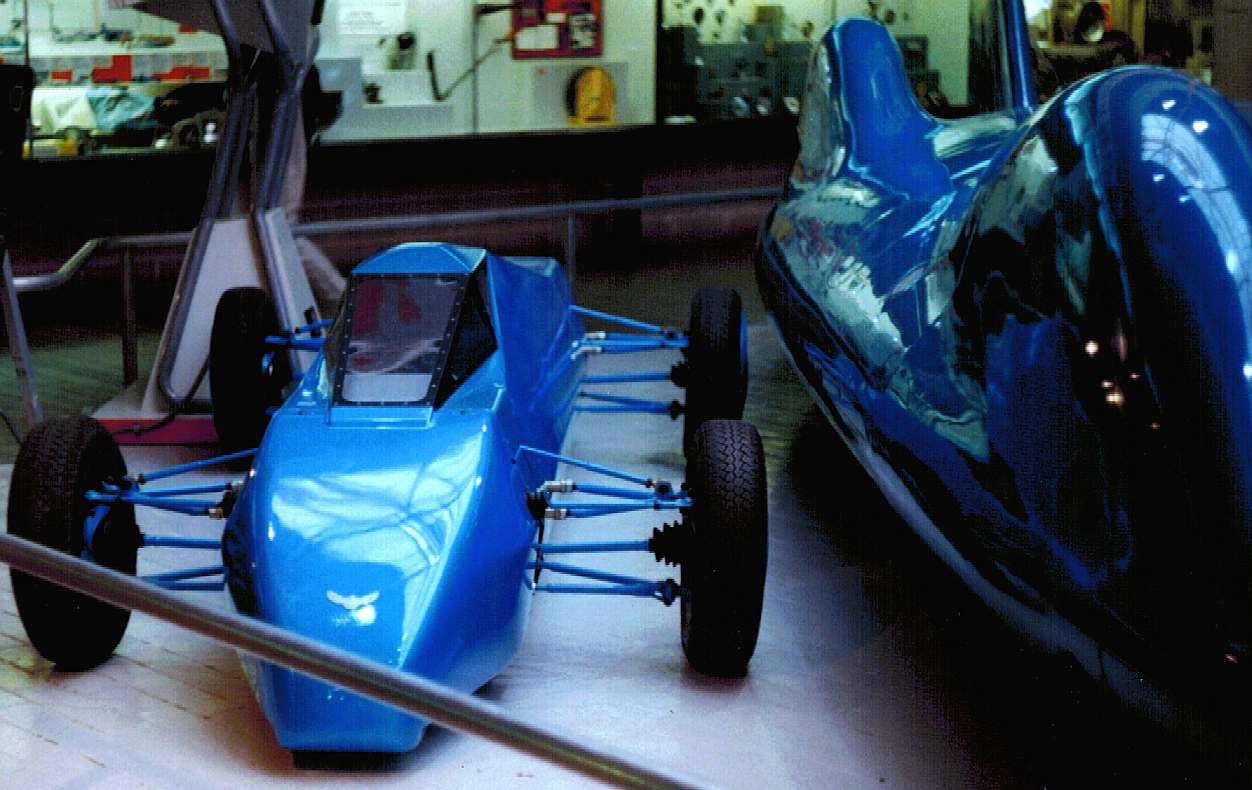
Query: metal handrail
50, 280
139, 241
401, 690
471, 217
411, 222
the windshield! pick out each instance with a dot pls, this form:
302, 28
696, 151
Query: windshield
393, 338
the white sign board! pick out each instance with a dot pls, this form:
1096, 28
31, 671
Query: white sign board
371, 17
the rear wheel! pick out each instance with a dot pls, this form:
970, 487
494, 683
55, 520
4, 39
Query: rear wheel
243, 390
717, 360
58, 463
723, 572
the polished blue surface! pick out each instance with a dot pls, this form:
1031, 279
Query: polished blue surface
401, 533
1040, 327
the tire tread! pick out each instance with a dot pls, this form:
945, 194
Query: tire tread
727, 479
57, 462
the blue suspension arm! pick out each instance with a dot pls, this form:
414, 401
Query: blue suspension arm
187, 573
190, 507
665, 591
592, 548
193, 586
189, 580
194, 466
643, 326
656, 408
607, 471
316, 326
214, 488
613, 491
564, 510
93, 521
628, 378
298, 343
178, 542
624, 344
622, 404
586, 573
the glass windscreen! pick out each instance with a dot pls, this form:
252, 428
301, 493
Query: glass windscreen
395, 338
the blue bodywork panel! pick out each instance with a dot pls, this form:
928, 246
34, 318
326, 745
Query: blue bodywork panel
1038, 324
400, 532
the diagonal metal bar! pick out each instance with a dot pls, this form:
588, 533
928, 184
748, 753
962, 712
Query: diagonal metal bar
592, 548
620, 320
180, 542
401, 690
628, 378
212, 488
589, 466
588, 573
193, 466
187, 573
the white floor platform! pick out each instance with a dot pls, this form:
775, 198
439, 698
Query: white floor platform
858, 680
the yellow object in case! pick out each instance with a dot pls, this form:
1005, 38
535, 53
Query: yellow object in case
590, 98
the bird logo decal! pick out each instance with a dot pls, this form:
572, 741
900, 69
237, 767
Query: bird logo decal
351, 602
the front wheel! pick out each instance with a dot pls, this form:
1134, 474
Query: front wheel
717, 360
723, 573
243, 390
59, 462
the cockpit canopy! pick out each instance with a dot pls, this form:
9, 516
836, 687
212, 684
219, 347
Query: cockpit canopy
408, 339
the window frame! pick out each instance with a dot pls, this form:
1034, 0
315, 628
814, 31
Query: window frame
338, 345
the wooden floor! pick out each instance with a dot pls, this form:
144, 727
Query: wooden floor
77, 368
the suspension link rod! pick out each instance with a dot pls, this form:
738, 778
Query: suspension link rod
176, 542
627, 378
646, 482
587, 573
633, 323
591, 548
194, 466
298, 343
649, 590
214, 488
188, 573
189, 507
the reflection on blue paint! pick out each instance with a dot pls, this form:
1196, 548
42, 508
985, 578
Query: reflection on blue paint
1053, 350
401, 533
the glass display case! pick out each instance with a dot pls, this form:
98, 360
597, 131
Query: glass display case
119, 80
719, 61
113, 80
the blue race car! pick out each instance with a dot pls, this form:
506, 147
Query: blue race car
1033, 327
396, 503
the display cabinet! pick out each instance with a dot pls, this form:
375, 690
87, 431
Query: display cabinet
113, 80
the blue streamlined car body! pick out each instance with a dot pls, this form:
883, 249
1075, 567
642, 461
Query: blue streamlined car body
1034, 329
395, 506
366, 523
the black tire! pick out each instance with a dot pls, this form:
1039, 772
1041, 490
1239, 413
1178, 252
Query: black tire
242, 391
58, 462
717, 360
723, 573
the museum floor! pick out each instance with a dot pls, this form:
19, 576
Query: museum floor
874, 667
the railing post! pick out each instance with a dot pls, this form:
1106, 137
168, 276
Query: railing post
18, 346
130, 350
571, 245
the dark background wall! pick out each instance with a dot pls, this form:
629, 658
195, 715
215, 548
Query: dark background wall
64, 202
